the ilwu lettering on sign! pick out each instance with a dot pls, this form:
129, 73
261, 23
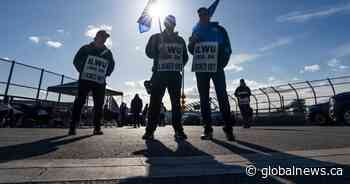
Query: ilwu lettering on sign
205, 57
171, 57
95, 69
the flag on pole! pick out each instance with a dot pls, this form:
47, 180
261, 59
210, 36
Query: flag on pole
145, 21
212, 8
211, 11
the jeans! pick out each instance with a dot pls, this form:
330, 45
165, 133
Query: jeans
160, 81
203, 85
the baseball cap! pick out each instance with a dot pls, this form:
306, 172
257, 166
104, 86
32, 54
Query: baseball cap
170, 19
203, 10
102, 33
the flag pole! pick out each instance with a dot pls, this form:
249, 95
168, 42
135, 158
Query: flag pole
160, 25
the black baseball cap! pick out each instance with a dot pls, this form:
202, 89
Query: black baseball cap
102, 33
203, 10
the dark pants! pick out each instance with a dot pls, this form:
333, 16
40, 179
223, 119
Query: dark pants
98, 94
160, 81
246, 112
137, 119
203, 85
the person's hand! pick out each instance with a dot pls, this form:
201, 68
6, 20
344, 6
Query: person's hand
194, 38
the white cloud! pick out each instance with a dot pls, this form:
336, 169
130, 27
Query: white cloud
135, 84
34, 39
279, 43
336, 65
235, 68
60, 30
238, 59
342, 50
92, 30
299, 16
311, 68
272, 78
252, 84
54, 44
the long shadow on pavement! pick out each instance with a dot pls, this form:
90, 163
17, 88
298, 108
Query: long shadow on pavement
160, 166
41, 147
262, 159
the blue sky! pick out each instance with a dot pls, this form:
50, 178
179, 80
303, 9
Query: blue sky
273, 41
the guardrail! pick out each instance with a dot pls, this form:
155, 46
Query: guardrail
22, 81
288, 96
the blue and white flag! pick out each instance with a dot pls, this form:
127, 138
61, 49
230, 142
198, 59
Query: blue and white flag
212, 8
211, 11
145, 21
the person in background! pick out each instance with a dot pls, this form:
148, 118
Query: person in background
243, 94
144, 115
136, 108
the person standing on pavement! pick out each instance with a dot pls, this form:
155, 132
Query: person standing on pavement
243, 94
94, 62
211, 50
123, 113
169, 53
136, 108
144, 115
163, 110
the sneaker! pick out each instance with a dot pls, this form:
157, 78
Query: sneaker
98, 132
207, 136
148, 136
180, 135
229, 135
72, 131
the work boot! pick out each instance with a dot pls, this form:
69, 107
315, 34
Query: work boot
72, 131
148, 136
229, 134
207, 136
180, 135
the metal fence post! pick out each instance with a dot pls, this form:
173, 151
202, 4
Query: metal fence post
268, 98
256, 104
6, 98
332, 86
279, 94
296, 92
313, 91
59, 94
236, 103
39, 86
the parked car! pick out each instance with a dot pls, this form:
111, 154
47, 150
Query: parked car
339, 108
217, 118
318, 114
191, 118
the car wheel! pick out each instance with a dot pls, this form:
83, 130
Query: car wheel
320, 119
346, 117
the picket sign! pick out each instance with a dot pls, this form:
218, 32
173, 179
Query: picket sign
244, 100
171, 57
95, 69
205, 57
